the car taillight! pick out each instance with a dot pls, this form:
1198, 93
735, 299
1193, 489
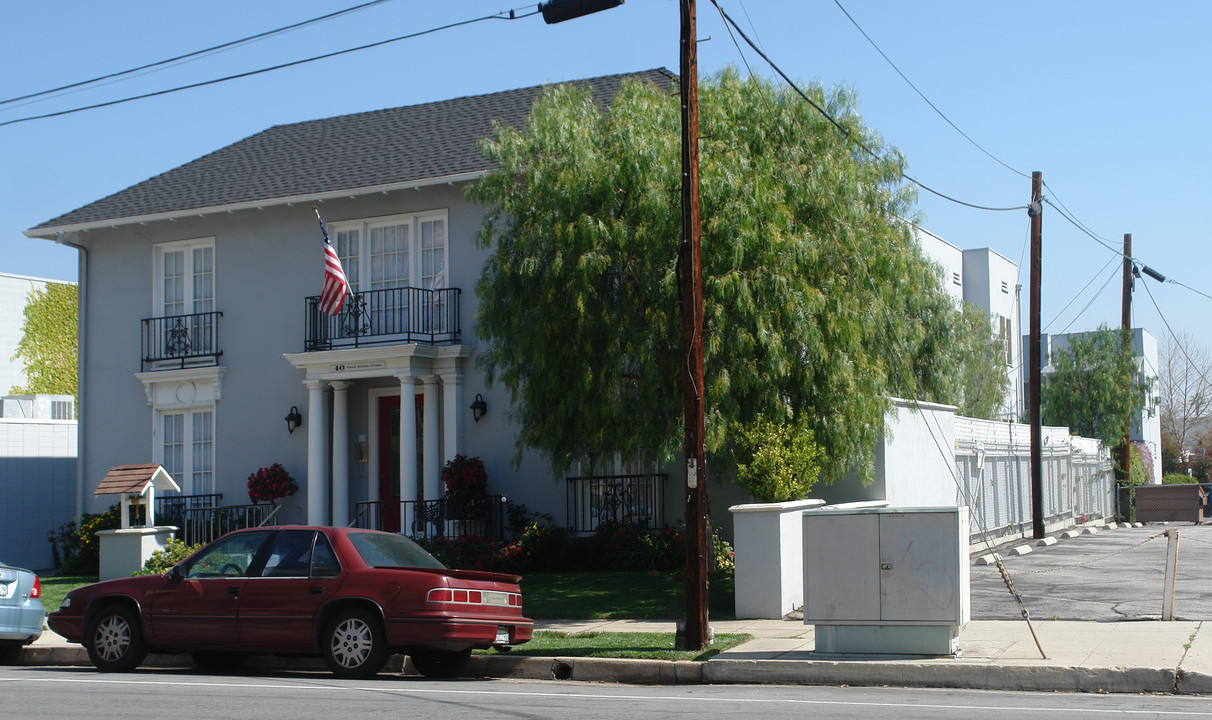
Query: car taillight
491, 598
37, 591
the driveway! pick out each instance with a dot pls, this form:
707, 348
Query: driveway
1114, 575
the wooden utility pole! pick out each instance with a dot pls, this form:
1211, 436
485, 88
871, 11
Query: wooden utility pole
696, 633
1125, 453
1036, 211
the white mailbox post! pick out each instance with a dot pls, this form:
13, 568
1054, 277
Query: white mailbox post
125, 550
886, 580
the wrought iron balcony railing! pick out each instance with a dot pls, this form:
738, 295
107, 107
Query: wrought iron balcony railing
383, 317
177, 341
618, 498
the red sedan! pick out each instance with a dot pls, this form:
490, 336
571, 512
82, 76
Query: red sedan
353, 596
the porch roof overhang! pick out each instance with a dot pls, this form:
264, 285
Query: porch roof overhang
379, 361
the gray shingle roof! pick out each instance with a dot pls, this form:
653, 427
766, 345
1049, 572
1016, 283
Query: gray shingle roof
345, 153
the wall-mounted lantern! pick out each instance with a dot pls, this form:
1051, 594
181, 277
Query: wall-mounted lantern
293, 419
478, 407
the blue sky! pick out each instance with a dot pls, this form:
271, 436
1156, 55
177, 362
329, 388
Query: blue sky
1106, 99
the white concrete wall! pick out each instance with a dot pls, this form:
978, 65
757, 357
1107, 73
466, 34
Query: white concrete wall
768, 543
949, 258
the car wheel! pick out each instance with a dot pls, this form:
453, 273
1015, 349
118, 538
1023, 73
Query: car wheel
218, 662
115, 640
9, 652
355, 645
440, 663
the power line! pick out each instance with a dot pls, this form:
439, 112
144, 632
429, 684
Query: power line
503, 15
1160, 314
923, 96
1112, 276
1096, 276
841, 128
196, 53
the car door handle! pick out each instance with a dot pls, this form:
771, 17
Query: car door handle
233, 591
315, 590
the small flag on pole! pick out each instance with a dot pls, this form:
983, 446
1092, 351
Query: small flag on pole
332, 297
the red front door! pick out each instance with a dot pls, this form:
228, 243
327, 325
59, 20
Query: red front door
389, 457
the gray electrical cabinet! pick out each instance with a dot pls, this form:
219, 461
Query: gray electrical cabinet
886, 580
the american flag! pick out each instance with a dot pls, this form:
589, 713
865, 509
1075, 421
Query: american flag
332, 297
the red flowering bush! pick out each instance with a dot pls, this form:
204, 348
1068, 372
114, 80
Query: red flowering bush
270, 483
464, 477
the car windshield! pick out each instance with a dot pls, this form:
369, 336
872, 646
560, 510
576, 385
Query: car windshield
385, 550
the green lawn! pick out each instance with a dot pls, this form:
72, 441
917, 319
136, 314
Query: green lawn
649, 646
618, 596
54, 588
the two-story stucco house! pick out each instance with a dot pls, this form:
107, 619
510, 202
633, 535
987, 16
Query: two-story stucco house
203, 348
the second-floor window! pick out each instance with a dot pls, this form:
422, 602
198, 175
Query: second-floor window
185, 277
394, 252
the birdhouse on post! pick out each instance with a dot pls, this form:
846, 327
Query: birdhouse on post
125, 550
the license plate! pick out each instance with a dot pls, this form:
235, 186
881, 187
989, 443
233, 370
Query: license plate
502, 635
3, 590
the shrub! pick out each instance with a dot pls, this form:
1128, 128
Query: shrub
464, 477
164, 559
75, 546
776, 461
1178, 479
270, 483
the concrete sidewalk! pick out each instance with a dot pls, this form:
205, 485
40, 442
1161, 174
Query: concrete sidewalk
1128, 656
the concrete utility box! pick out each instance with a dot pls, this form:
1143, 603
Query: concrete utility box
886, 580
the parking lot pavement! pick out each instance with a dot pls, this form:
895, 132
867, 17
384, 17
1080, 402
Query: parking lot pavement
1116, 574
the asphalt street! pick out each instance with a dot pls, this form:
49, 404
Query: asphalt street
36, 693
1114, 575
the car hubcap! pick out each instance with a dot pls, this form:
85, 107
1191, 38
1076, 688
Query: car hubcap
351, 643
112, 638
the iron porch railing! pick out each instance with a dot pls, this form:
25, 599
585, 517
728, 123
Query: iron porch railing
178, 341
381, 317
482, 517
619, 498
201, 519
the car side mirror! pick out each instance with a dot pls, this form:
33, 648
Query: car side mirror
176, 573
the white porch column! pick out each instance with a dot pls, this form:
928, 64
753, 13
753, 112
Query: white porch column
340, 452
429, 439
408, 449
452, 414
317, 445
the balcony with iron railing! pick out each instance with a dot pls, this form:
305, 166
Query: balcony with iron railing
386, 317
180, 341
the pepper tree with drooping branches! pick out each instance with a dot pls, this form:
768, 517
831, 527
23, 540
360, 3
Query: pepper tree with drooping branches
818, 303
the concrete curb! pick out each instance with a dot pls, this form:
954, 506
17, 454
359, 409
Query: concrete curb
722, 671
